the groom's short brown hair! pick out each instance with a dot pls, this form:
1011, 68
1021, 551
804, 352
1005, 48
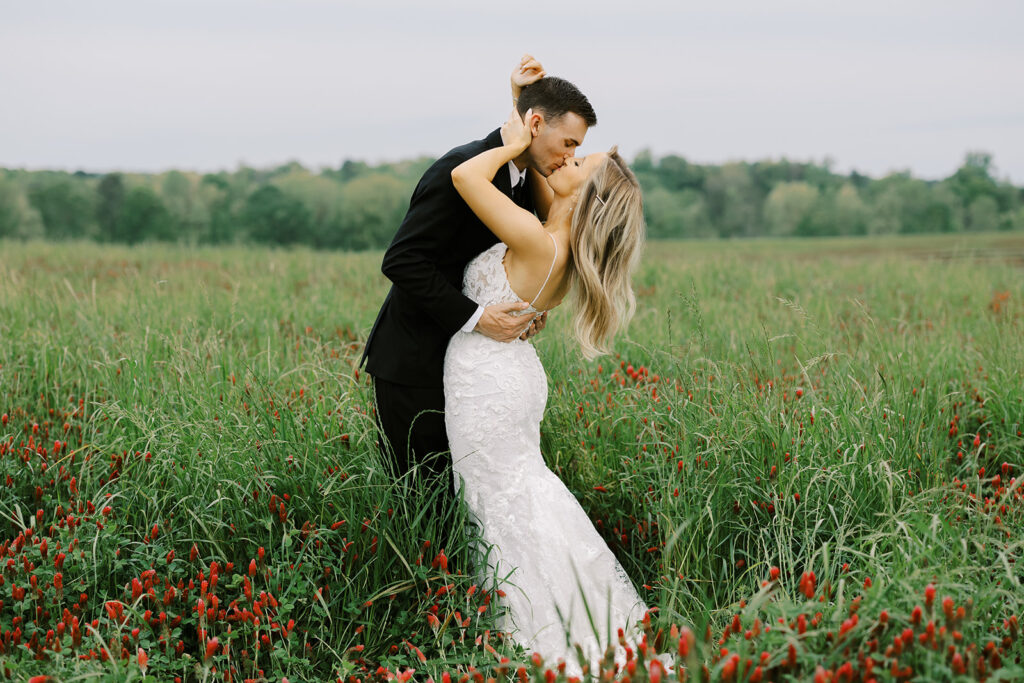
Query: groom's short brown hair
556, 97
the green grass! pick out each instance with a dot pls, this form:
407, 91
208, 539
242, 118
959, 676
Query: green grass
837, 406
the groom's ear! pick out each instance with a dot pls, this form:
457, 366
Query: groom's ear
535, 123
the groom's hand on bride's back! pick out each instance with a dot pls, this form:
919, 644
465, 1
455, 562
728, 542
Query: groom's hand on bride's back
500, 323
536, 326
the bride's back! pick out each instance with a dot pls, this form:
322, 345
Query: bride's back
538, 278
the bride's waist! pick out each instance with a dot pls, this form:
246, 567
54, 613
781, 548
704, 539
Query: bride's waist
465, 345
480, 339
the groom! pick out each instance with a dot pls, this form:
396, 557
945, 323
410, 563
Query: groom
439, 236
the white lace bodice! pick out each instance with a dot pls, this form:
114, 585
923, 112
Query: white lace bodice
486, 282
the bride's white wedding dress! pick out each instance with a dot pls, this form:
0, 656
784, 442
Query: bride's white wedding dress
542, 539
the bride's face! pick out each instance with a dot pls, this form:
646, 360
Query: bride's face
567, 179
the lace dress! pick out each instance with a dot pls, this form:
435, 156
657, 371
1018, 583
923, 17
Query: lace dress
537, 535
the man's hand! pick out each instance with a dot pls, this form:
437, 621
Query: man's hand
529, 71
536, 326
500, 324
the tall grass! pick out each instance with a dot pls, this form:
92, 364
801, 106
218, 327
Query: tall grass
777, 409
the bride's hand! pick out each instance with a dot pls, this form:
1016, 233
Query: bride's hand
516, 131
529, 71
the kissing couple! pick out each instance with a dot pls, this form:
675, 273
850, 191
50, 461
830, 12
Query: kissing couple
498, 232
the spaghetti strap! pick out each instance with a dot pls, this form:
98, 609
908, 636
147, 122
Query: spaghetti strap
550, 270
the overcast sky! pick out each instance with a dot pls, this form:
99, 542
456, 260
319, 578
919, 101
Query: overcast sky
148, 85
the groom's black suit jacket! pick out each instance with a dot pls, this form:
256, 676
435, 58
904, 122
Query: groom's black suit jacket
425, 307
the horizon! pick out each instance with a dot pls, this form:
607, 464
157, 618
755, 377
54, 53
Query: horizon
320, 168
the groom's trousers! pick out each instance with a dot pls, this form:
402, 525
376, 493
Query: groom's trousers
411, 433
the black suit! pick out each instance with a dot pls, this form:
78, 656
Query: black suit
405, 351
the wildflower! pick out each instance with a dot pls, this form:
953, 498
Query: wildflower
441, 561
808, 581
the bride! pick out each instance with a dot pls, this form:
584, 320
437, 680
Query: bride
564, 585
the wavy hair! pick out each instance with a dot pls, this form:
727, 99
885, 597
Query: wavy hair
607, 235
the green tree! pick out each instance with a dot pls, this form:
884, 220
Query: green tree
273, 217
109, 205
983, 214
956, 214
222, 201
663, 212
851, 213
676, 214
643, 162
902, 204
144, 217
645, 171
1017, 219
17, 216
349, 170
677, 174
374, 208
974, 178
788, 209
189, 215
65, 205
734, 202
696, 220
325, 200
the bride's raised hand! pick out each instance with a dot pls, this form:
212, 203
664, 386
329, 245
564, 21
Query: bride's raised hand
516, 131
529, 71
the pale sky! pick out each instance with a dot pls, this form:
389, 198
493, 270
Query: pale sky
147, 85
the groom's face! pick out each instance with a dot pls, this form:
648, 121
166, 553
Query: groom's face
556, 141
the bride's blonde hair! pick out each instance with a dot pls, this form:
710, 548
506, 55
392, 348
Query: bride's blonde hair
606, 236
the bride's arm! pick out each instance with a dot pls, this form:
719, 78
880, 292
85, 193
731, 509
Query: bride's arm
514, 226
530, 71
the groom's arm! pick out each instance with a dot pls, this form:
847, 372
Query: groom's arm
409, 261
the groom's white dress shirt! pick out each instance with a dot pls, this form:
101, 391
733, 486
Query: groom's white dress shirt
518, 178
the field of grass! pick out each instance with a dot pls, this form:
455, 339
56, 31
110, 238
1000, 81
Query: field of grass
807, 455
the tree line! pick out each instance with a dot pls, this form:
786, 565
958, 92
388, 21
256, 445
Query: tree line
359, 206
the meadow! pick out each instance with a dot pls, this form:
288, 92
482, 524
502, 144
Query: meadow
807, 454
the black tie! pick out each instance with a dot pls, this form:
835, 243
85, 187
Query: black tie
517, 193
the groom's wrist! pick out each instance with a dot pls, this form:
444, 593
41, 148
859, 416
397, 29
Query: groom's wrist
473, 320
